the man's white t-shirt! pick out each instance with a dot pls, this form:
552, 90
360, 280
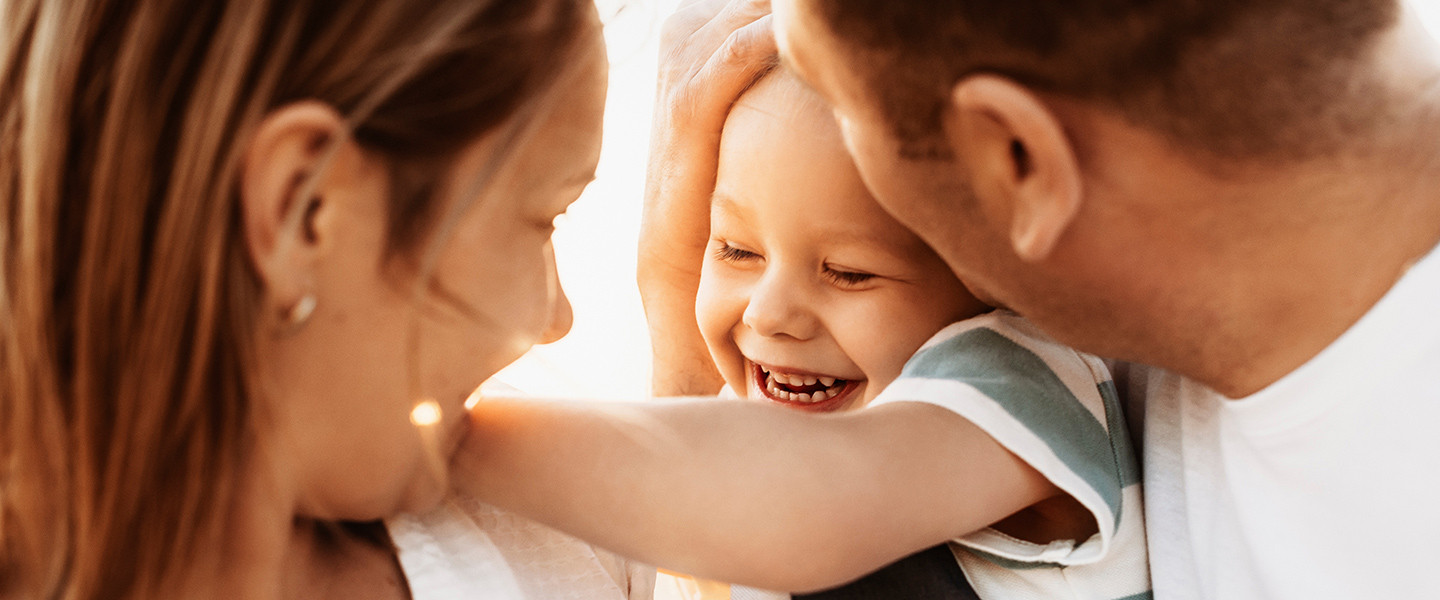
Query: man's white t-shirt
1325, 485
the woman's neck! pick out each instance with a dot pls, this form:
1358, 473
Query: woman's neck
342, 560
272, 553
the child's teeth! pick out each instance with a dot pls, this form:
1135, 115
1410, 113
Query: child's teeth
819, 396
810, 381
802, 398
828, 381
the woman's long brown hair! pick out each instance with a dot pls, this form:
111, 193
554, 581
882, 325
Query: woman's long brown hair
128, 307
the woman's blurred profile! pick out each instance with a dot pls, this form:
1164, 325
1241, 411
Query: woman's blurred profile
254, 256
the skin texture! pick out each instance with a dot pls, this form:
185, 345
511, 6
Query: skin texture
1122, 242
342, 386
804, 273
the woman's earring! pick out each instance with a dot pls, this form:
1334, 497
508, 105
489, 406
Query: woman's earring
298, 314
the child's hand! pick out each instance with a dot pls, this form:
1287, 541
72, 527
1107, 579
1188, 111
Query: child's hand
711, 51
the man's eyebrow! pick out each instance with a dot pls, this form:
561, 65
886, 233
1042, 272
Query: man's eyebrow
786, 63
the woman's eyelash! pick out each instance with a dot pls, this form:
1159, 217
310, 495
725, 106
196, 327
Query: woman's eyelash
848, 277
729, 253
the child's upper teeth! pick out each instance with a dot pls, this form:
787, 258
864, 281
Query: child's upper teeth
828, 381
810, 380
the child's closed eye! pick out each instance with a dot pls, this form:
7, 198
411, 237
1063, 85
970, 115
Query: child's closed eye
846, 277
728, 253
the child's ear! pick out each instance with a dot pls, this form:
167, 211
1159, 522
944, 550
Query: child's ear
1020, 159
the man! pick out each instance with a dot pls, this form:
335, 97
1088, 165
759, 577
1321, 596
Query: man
1243, 194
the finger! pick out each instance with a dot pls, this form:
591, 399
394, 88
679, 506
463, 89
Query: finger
688, 18
747, 54
735, 15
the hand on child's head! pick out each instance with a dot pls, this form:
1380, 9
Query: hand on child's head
811, 295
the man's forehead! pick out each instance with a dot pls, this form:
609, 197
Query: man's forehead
804, 46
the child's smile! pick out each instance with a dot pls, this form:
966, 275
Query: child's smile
799, 389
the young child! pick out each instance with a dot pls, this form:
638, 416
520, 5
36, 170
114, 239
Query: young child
813, 298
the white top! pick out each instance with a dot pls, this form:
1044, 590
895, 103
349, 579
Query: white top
1323, 485
466, 550
1057, 410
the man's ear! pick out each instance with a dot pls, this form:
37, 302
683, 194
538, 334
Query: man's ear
289, 156
1017, 151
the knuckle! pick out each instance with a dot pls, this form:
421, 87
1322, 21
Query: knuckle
737, 46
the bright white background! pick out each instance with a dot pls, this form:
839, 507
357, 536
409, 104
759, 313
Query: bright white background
607, 354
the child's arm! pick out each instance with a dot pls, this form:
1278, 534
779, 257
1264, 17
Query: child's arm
746, 492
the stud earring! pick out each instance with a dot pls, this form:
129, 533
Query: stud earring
301, 311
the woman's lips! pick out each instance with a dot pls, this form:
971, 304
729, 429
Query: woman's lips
812, 393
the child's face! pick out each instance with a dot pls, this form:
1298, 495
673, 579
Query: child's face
811, 295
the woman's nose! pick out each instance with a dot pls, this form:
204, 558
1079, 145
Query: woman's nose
561, 317
777, 308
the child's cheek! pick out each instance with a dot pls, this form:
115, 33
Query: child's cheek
717, 312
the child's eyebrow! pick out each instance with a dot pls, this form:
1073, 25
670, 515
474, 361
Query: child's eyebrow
862, 236
720, 201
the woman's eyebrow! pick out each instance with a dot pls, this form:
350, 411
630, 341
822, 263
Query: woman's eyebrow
582, 178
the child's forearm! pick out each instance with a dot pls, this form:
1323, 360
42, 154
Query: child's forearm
745, 492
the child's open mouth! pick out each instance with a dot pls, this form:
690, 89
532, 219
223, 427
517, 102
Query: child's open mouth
801, 391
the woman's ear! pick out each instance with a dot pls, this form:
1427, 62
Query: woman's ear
291, 155
1018, 154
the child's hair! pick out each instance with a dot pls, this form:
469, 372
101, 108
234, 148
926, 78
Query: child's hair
128, 307
1279, 78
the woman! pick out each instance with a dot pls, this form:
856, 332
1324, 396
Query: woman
255, 255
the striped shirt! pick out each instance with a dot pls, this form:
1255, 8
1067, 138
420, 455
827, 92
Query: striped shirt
1056, 409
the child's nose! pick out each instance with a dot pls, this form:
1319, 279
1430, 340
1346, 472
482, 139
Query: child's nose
778, 307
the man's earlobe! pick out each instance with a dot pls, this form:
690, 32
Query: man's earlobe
1020, 154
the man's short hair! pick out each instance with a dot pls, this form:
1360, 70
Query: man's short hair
1232, 78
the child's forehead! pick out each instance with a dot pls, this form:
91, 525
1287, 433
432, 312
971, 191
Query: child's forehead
783, 94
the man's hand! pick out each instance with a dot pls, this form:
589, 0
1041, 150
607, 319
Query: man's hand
711, 51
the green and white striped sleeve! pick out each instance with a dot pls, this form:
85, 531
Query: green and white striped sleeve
1056, 409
